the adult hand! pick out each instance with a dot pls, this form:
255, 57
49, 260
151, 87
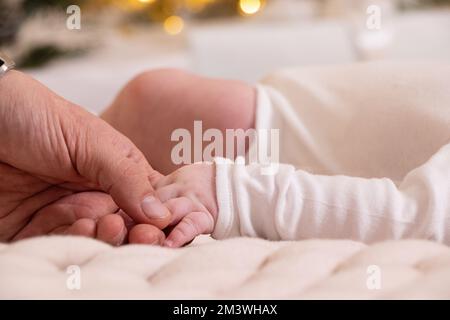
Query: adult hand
51, 149
91, 214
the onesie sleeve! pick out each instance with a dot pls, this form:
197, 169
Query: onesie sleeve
293, 204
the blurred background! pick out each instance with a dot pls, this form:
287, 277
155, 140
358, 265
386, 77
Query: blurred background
241, 39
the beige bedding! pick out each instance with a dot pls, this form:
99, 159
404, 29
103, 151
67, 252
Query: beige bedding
235, 268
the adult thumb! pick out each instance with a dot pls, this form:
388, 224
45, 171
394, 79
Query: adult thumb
114, 163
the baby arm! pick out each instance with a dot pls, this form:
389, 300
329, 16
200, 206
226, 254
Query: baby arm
292, 205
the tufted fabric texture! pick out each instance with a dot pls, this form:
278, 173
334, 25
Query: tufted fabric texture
231, 269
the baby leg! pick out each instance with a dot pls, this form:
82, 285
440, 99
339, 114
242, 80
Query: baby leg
156, 103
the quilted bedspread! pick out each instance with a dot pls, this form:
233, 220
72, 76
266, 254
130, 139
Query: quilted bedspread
233, 269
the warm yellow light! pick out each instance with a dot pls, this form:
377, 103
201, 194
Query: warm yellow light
197, 5
173, 25
249, 7
132, 5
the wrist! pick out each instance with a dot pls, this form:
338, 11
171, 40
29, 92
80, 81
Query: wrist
24, 105
6, 69
227, 224
8, 102
9, 82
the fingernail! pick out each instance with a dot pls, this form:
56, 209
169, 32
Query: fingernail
153, 208
168, 243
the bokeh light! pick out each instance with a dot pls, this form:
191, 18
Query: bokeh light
130, 5
173, 25
249, 7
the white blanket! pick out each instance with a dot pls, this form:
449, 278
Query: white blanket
235, 268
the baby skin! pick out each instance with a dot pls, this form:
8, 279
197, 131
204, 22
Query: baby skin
334, 183
398, 192
156, 103
148, 109
190, 195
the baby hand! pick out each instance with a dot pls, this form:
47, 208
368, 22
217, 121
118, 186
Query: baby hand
190, 194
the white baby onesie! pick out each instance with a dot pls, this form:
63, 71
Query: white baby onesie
365, 157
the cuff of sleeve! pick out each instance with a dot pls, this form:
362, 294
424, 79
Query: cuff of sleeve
227, 225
